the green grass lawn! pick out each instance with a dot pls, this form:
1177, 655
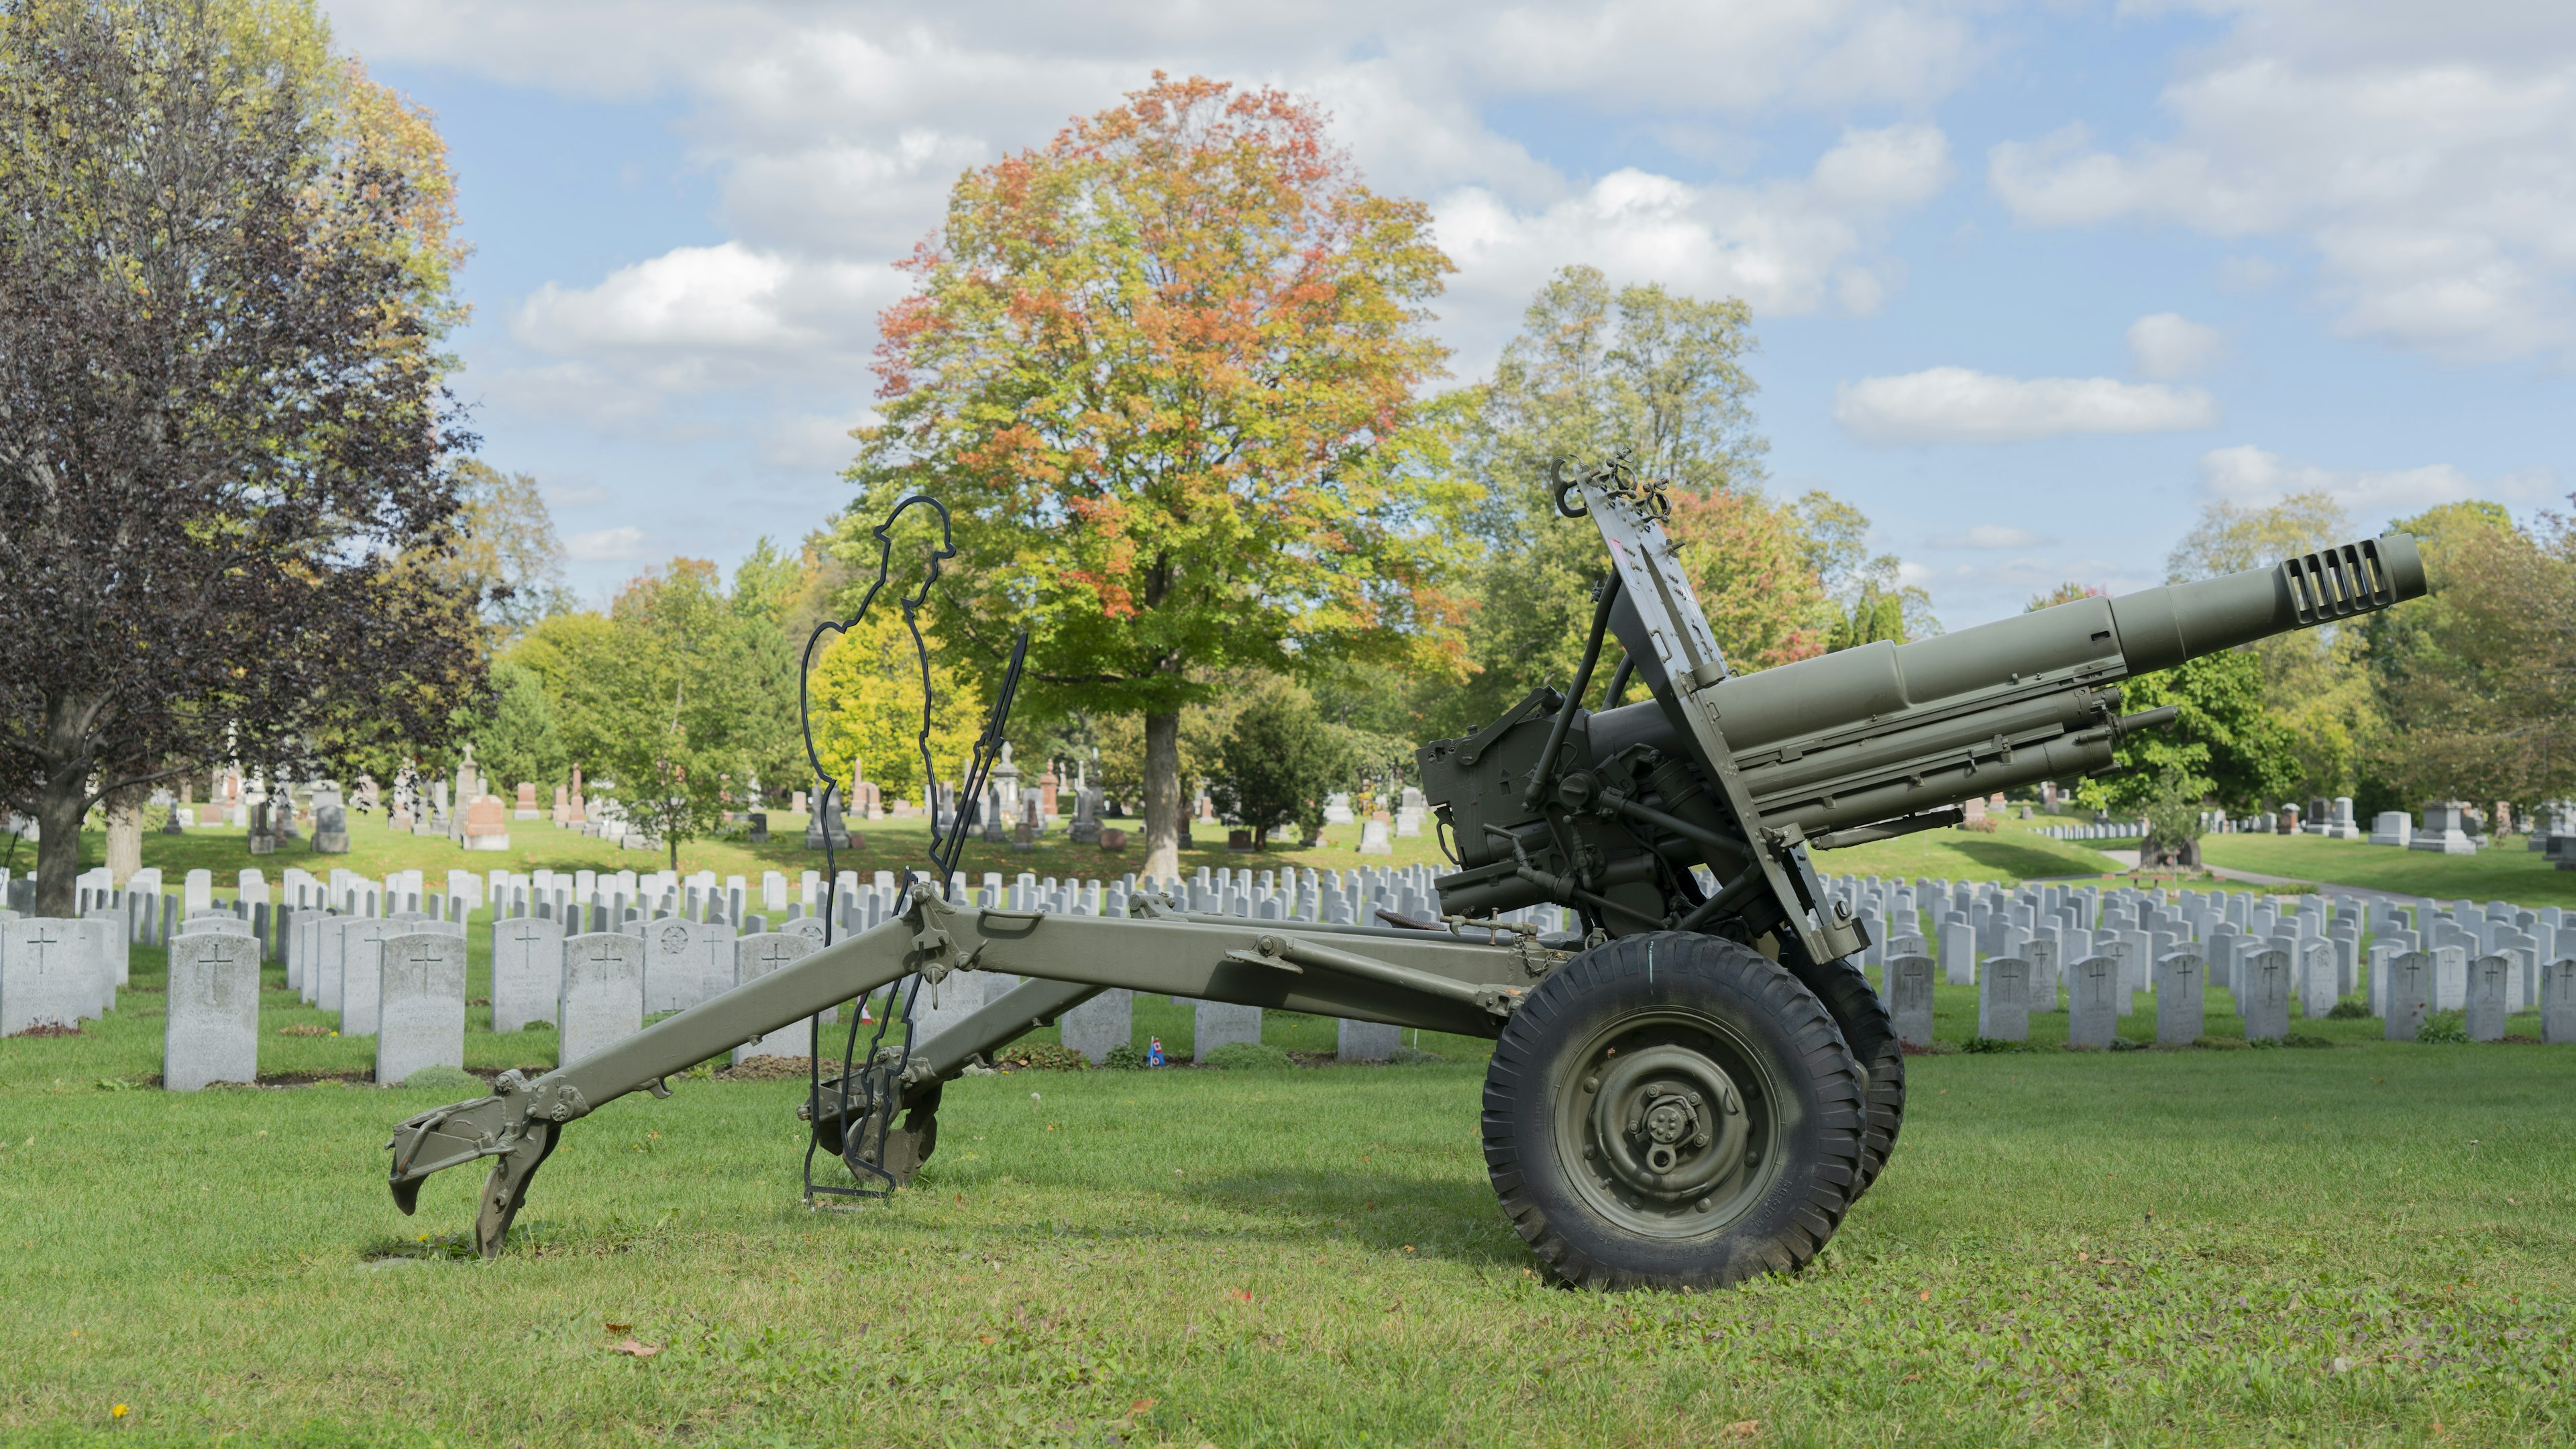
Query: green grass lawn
2505, 872
2370, 1244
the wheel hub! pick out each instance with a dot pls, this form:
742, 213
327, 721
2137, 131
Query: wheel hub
1667, 1122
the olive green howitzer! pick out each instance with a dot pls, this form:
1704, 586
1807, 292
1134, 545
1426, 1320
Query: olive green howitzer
1691, 1088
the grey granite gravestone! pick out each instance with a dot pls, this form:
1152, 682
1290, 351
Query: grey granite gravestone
1909, 994
2043, 974
1222, 1023
362, 974
2003, 999
1959, 955
603, 994
2490, 980
2320, 980
48, 976
716, 960
527, 971
2558, 1002
1105, 1021
2451, 976
2115, 947
2267, 996
756, 956
1367, 1041
421, 1006
226, 924
2410, 994
2181, 1002
212, 1033
2093, 994
674, 965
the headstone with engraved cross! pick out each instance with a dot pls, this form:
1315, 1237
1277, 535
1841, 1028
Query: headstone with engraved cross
674, 964
2093, 993
1909, 993
2003, 999
2558, 1001
756, 956
2181, 1008
212, 1033
603, 994
421, 1012
2410, 994
527, 971
47, 976
360, 981
2268, 996
2490, 978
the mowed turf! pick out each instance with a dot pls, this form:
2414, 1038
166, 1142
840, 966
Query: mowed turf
2365, 1244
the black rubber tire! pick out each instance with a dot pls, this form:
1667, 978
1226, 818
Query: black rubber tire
1870, 1033
1787, 1047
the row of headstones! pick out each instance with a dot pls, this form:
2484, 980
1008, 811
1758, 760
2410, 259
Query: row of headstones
2111, 830
2222, 926
1107, 1021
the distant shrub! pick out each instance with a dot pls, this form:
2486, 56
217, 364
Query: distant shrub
1125, 1057
2351, 1008
2444, 1028
1408, 1056
1040, 1056
1246, 1056
445, 1079
2221, 1043
2311, 1043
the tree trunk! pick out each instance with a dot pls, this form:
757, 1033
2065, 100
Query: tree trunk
1163, 795
124, 839
59, 807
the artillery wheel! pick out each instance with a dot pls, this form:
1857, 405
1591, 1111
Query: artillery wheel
1673, 1111
1871, 1034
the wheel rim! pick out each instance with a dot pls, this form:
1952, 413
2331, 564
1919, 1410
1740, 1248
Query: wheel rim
1667, 1124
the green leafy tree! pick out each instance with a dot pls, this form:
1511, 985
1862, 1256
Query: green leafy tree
2475, 681
226, 444
1280, 760
514, 737
1163, 372
506, 550
1595, 370
2223, 747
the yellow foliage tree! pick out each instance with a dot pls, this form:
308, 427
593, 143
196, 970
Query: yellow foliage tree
866, 701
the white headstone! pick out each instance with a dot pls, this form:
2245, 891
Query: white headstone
527, 971
200, 892
2003, 999
2268, 976
2093, 1002
212, 1033
360, 981
2410, 994
603, 994
2489, 978
1909, 995
421, 1008
48, 976
1366, 1041
757, 956
1959, 954
715, 961
1105, 1021
1222, 1023
674, 965
2181, 1008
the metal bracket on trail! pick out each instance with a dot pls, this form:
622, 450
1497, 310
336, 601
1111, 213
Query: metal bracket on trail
874, 1085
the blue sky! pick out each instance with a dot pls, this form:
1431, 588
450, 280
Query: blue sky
2032, 283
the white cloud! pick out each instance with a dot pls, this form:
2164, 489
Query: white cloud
2168, 345
1992, 535
574, 493
2425, 155
1786, 247
1957, 405
607, 545
2253, 477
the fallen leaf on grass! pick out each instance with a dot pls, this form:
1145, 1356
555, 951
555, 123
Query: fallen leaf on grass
1140, 1406
1744, 1428
1923, 1297
637, 1350
1911, 1379
616, 1327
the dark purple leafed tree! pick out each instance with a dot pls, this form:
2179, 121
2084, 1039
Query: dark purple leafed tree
227, 500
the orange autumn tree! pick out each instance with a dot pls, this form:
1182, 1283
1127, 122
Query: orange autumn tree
1163, 373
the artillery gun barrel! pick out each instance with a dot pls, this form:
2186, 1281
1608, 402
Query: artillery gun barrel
1884, 730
